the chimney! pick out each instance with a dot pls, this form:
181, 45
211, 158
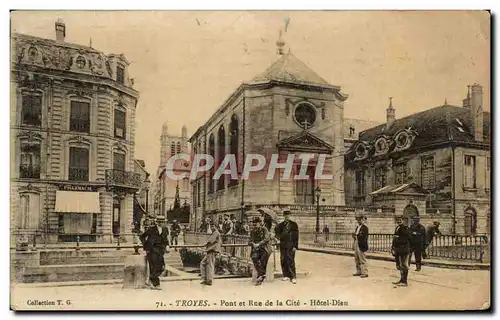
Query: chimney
476, 109
60, 30
391, 114
466, 101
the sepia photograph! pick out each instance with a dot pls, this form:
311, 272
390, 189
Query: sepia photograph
250, 160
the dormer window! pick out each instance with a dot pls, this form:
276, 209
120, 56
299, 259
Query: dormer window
80, 62
120, 74
352, 131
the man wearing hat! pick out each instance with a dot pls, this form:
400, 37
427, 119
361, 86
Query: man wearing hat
213, 247
288, 234
401, 251
260, 240
417, 242
174, 233
431, 232
360, 247
155, 242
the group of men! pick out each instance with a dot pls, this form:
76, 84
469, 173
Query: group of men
228, 226
261, 243
406, 241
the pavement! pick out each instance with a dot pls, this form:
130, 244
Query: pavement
328, 286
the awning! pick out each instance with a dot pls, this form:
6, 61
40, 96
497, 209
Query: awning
77, 202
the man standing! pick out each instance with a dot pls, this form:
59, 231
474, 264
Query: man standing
213, 247
401, 251
430, 233
155, 242
360, 247
288, 234
174, 233
260, 240
417, 242
326, 231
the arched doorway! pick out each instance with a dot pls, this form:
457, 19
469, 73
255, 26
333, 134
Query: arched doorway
470, 220
409, 212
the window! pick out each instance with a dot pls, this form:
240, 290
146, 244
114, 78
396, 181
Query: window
234, 133
80, 116
30, 161
78, 164
305, 115
401, 173
120, 116
120, 74
31, 113
119, 161
380, 178
29, 211
198, 193
211, 151
304, 189
352, 131
488, 173
185, 184
25, 211
470, 172
178, 147
428, 173
80, 62
172, 148
360, 183
221, 139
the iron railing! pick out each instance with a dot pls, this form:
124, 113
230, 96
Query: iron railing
120, 178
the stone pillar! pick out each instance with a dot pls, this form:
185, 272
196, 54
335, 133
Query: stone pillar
135, 272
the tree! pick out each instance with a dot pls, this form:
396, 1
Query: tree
177, 200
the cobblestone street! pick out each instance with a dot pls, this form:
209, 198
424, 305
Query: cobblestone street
329, 286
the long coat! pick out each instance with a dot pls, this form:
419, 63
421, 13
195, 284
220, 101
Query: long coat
362, 238
401, 239
289, 237
153, 241
417, 240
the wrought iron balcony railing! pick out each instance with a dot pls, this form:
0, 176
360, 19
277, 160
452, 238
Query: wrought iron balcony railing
124, 179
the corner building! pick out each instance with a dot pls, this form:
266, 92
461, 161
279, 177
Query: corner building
72, 151
288, 109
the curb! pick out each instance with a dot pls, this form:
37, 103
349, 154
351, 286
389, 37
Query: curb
429, 263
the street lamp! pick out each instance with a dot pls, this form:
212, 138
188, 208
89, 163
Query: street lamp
318, 194
147, 183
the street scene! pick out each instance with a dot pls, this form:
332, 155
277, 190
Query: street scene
250, 160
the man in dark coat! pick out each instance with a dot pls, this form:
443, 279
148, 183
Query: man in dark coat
155, 242
326, 231
417, 242
174, 233
288, 234
360, 236
401, 251
260, 240
431, 232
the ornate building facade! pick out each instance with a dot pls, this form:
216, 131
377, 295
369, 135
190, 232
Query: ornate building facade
166, 188
435, 164
73, 131
288, 109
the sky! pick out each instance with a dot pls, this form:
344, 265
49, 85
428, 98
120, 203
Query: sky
187, 63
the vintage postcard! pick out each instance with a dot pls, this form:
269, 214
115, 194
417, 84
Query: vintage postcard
250, 160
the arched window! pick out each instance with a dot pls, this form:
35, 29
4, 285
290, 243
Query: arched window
221, 153
470, 221
409, 212
178, 147
172, 149
234, 136
211, 151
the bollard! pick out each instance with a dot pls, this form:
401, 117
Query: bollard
77, 242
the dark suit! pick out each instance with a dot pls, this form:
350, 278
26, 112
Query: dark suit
417, 243
260, 237
155, 245
360, 247
401, 250
288, 234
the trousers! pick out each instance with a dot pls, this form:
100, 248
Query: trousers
207, 266
360, 259
418, 255
156, 265
259, 260
287, 259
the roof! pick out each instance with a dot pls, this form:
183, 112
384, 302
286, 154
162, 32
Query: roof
290, 69
359, 125
141, 162
439, 124
406, 188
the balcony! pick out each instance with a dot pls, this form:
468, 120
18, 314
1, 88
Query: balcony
123, 179
29, 172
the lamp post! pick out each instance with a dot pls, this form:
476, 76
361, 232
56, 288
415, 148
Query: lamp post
318, 194
147, 183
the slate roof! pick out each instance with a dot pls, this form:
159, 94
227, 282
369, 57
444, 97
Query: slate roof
434, 125
290, 69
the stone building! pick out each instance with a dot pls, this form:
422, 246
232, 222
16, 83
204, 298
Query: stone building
73, 131
166, 188
435, 164
287, 109
352, 128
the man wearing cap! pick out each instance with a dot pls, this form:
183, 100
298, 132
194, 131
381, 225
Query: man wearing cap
288, 234
417, 242
360, 247
155, 242
401, 251
260, 241
213, 247
174, 233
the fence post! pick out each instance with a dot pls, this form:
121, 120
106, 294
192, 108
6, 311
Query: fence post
118, 243
77, 242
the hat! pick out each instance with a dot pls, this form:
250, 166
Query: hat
287, 212
436, 223
416, 218
160, 218
256, 220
